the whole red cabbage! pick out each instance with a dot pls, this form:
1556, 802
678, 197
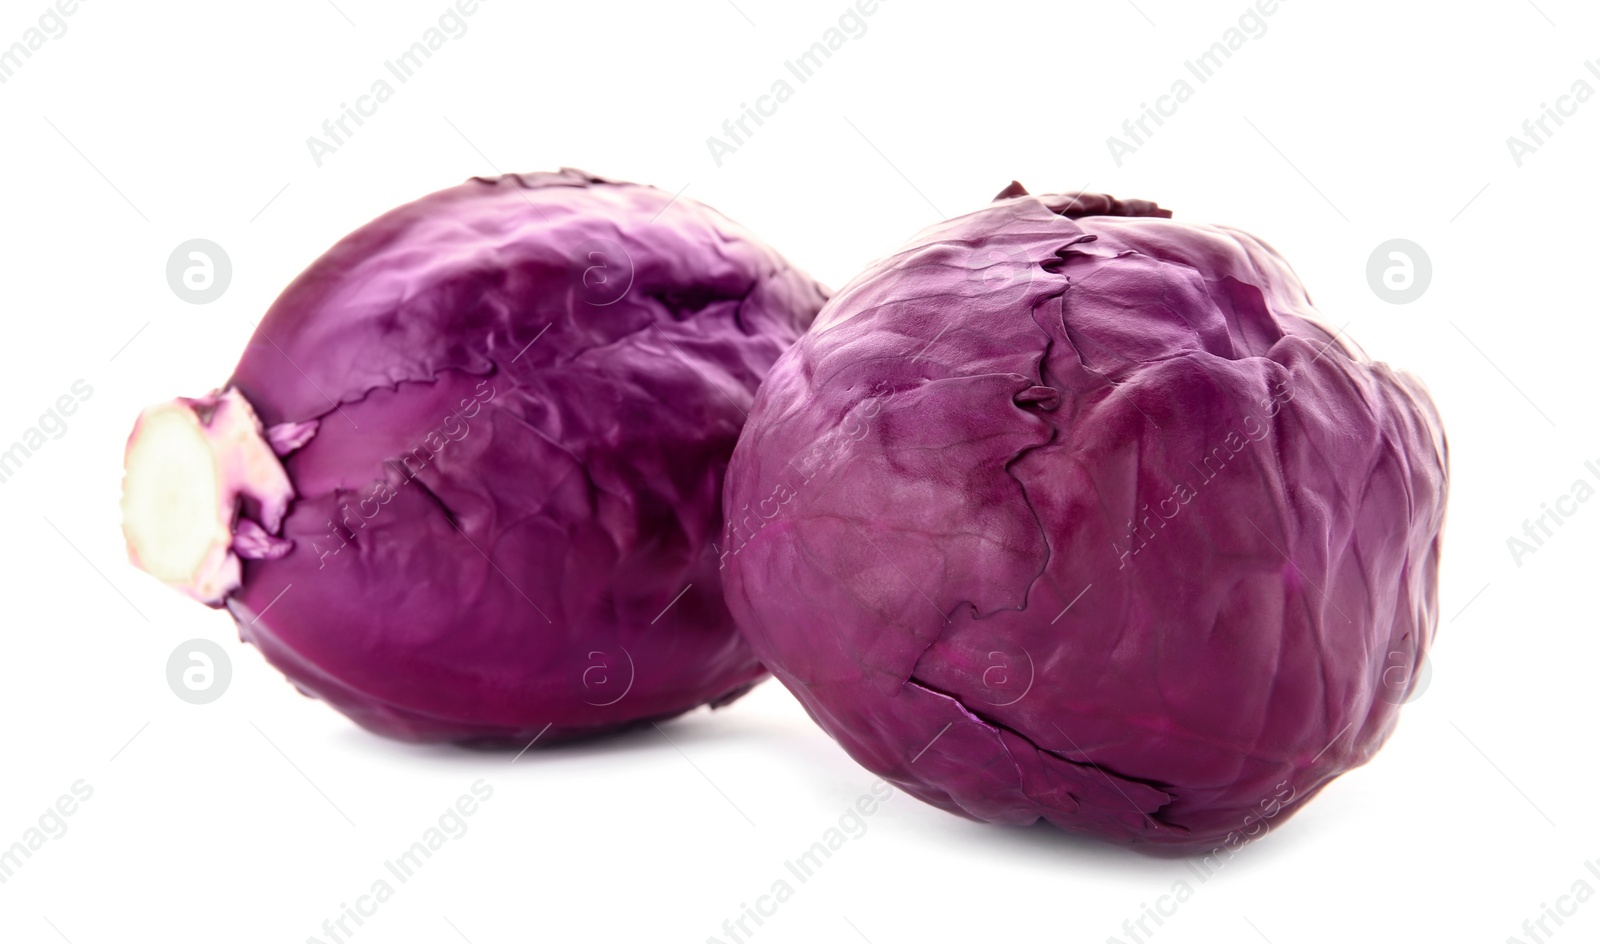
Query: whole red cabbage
505, 411
1067, 511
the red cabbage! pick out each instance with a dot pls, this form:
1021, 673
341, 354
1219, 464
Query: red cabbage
1070, 512
465, 480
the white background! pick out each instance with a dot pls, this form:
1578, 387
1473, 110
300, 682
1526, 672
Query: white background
253, 818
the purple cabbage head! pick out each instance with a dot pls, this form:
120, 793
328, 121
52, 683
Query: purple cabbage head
503, 412
1070, 512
